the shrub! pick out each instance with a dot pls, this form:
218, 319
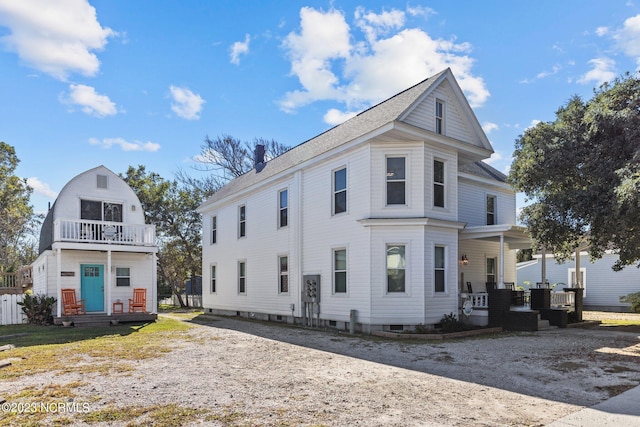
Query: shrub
634, 299
38, 308
450, 323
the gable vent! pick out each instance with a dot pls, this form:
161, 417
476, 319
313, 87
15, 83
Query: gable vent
102, 181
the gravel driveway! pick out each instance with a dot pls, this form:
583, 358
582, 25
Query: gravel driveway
269, 374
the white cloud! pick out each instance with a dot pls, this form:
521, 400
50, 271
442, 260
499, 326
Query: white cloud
186, 104
331, 63
240, 48
495, 157
602, 71
602, 31
41, 188
55, 37
90, 102
125, 145
533, 123
628, 38
335, 117
488, 127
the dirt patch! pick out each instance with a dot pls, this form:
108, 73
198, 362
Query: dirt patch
253, 373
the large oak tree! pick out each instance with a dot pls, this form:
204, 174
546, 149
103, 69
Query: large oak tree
581, 173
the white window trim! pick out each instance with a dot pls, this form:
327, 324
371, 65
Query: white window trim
241, 221
241, 261
443, 184
334, 192
333, 270
407, 270
571, 271
280, 292
280, 208
116, 276
211, 278
495, 208
407, 174
442, 118
445, 269
214, 218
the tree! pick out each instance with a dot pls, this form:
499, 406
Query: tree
229, 157
171, 207
17, 219
582, 174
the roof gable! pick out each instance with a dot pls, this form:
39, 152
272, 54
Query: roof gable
460, 120
375, 118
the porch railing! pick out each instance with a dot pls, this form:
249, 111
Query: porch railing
562, 299
87, 231
479, 300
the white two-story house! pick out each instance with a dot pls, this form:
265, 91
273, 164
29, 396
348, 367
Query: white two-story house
94, 240
386, 216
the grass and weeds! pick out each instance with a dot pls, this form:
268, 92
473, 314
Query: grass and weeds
83, 351
621, 325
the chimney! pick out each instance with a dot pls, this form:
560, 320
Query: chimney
258, 158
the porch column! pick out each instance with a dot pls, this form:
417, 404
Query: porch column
578, 275
501, 279
154, 283
544, 267
59, 282
108, 284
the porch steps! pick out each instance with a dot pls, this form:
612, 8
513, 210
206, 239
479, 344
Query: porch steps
543, 325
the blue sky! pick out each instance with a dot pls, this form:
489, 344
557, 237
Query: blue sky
122, 83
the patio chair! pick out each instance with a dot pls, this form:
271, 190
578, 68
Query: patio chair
510, 286
469, 287
139, 300
70, 305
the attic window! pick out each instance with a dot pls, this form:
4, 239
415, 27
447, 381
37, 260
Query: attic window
439, 117
102, 181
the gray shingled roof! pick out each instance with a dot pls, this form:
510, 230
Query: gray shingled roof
483, 170
365, 122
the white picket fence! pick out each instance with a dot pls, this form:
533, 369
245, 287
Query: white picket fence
10, 312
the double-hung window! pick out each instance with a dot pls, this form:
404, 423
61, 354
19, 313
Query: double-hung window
213, 279
242, 221
283, 208
214, 229
491, 210
242, 277
439, 117
439, 268
339, 271
396, 268
339, 191
123, 276
491, 270
438, 183
396, 181
283, 267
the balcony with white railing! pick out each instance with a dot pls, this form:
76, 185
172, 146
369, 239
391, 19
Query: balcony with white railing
105, 232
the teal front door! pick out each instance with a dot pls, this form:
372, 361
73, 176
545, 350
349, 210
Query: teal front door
92, 286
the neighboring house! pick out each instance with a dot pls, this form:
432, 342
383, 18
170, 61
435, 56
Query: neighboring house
373, 215
603, 287
94, 239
